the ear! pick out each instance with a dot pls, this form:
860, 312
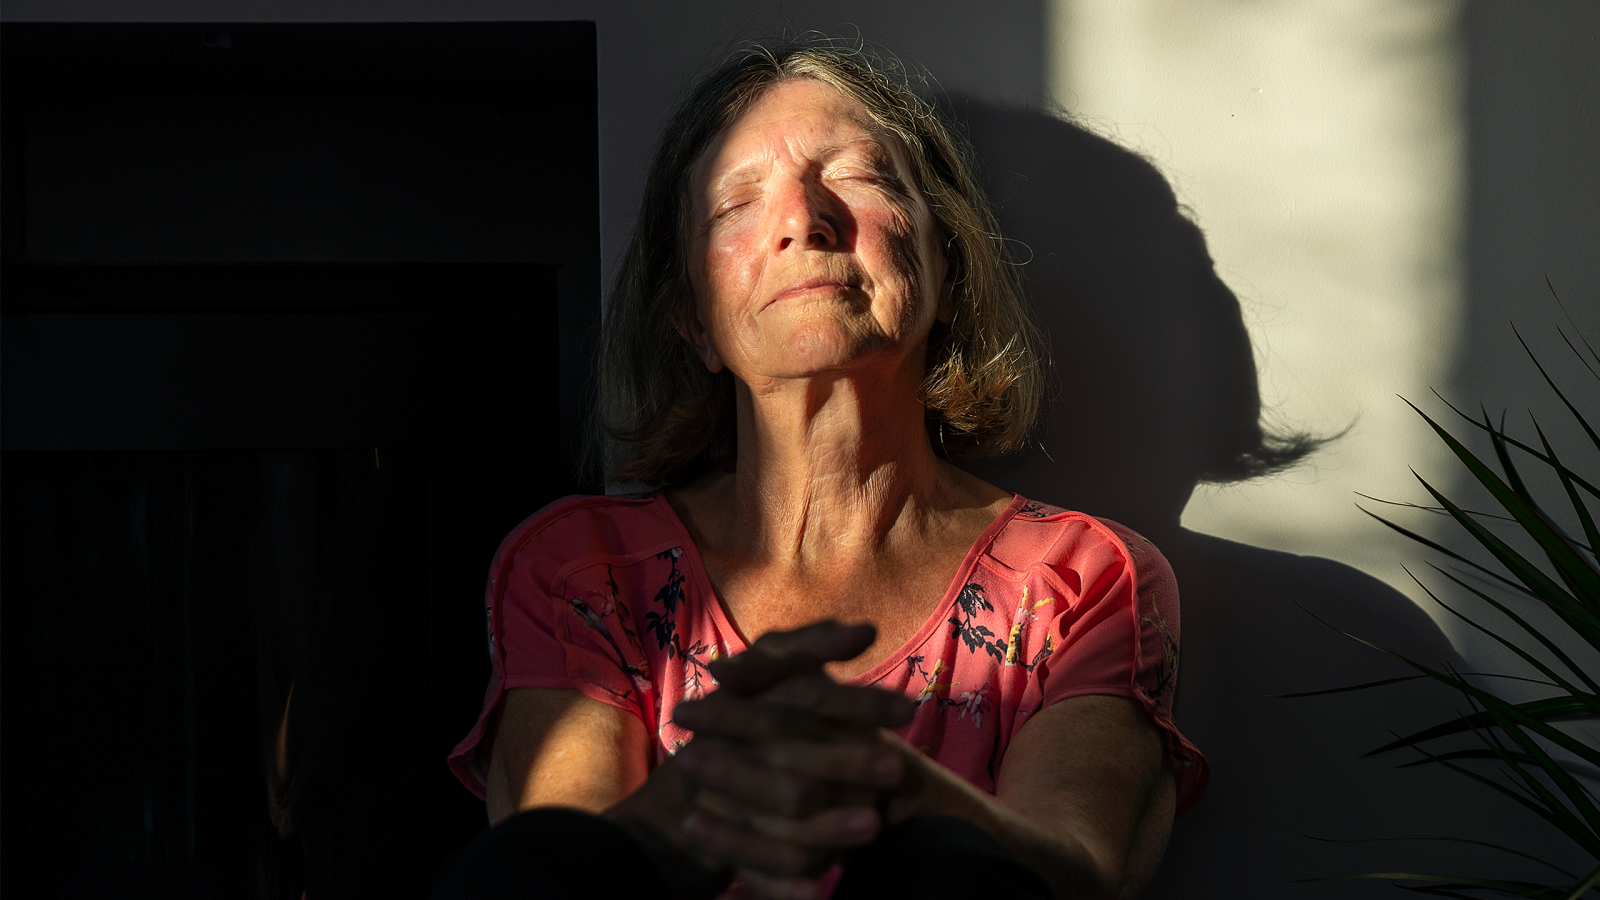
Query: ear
694, 334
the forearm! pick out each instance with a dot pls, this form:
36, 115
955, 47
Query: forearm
1053, 852
653, 815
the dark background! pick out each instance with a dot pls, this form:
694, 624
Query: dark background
292, 321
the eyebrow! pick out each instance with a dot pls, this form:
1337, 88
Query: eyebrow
879, 153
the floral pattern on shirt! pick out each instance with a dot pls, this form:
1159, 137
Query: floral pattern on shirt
1049, 605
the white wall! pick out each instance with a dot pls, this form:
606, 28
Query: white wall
1321, 148
1380, 183
1383, 185
1334, 157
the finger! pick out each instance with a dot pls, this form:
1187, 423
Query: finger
781, 888
720, 770
784, 654
842, 762
825, 698
837, 827
829, 639
727, 715
720, 840
739, 808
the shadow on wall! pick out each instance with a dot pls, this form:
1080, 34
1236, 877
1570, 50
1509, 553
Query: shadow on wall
1156, 391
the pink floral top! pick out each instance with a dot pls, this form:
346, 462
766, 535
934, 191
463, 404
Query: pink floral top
608, 595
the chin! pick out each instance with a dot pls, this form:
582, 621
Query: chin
826, 348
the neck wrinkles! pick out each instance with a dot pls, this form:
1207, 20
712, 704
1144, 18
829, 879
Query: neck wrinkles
832, 467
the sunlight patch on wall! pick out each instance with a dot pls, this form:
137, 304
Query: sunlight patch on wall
1321, 149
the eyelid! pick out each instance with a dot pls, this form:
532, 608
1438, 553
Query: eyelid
731, 203
853, 164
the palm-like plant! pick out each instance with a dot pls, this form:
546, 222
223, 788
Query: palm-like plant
1563, 577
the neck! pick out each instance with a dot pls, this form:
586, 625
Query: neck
832, 468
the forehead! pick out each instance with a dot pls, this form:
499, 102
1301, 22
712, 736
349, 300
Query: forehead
801, 117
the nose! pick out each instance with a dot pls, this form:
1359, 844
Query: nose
807, 216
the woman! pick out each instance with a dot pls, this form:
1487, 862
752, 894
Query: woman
812, 317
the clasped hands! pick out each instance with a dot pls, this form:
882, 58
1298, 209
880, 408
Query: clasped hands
788, 768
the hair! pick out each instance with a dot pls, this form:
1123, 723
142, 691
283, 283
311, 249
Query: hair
671, 418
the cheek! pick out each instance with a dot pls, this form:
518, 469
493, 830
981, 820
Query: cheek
728, 275
910, 254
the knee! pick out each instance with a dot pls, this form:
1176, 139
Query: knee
938, 856
548, 852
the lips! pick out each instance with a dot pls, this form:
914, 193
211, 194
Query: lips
811, 284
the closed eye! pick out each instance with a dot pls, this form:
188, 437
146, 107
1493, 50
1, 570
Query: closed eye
731, 206
869, 175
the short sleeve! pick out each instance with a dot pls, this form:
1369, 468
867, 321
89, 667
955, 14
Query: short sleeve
552, 623
1121, 637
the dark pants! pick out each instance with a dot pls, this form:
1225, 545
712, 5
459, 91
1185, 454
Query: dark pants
563, 853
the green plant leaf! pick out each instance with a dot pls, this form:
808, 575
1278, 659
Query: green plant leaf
1578, 506
1584, 885
1575, 349
1569, 824
1513, 713
1520, 736
1559, 816
1548, 380
1514, 888
1577, 479
1454, 840
1538, 635
1575, 329
1550, 708
1570, 608
1489, 700
1434, 892
1432, 545
1521, 758
1388, 681
1510, 714
1564, 782
1585, 581
1437, 510
1478, 514
1351, 687
1497, 438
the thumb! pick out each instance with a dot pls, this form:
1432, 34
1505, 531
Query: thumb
779, 655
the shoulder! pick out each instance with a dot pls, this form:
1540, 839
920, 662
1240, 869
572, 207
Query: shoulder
1041, 534
584, 525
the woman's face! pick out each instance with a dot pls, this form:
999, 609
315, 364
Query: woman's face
811, 249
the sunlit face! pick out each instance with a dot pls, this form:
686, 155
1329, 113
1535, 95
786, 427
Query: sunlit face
811, 249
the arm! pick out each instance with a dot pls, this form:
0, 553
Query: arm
557, 747
1084, 797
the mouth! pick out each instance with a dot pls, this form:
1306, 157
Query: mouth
821, 282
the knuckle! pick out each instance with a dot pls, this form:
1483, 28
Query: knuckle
809, 796
716, 803
768, 722
856, 760
788, 859
806, 757
788, 795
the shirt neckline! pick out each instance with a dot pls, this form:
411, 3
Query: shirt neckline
724, 621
